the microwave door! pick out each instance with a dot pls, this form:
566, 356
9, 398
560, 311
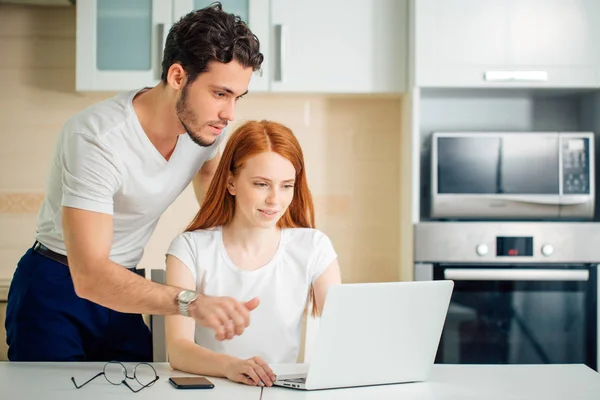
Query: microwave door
529, 168
465, 175
466, 165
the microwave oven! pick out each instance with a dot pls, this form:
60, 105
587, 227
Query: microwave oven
512, 175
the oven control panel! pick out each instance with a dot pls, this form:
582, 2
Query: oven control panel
507, 242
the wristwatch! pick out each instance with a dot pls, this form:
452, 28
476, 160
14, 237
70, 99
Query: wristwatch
184, 299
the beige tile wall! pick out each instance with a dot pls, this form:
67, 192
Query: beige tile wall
353, 148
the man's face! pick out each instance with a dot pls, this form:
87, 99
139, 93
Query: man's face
207, 105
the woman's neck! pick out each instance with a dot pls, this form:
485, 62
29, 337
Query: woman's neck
250, 239
250, 248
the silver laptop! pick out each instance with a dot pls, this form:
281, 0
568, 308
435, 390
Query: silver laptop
375, 334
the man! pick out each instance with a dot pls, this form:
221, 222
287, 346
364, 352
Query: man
117, 166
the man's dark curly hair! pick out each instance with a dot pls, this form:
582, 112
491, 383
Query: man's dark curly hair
206, 35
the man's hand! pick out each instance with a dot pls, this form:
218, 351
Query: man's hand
226, 316
253, 372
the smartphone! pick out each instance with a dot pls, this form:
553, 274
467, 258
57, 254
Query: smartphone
191, 382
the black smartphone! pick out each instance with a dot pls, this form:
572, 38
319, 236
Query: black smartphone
191, 382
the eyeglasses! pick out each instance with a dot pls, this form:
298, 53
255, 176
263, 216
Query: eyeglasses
116, 373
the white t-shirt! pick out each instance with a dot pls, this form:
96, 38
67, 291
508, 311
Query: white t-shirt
105, 162
282, 286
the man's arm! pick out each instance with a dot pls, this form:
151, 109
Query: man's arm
202, 179
88, 238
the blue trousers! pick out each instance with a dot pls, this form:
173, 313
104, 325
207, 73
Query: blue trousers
47, 321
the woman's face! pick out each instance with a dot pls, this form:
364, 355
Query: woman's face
263, 189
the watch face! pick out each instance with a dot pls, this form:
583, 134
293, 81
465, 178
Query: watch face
187, 296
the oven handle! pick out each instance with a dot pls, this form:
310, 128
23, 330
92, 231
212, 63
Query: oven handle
471, 274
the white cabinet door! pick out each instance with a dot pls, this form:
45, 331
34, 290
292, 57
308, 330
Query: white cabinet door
119, 43
339, 46
458, 40
255, 13
560, 37
525, 43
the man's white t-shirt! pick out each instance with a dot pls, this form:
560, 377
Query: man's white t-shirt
282, 286
104, 162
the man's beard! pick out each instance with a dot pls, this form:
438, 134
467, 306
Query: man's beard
186, 118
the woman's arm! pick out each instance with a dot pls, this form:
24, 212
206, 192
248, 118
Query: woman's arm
185, 355
331, 276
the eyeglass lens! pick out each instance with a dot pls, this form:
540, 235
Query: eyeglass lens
115, 372
144, 374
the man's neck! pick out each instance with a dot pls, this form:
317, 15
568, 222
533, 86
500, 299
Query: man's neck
155, 109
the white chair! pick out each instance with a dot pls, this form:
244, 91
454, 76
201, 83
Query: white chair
157, 323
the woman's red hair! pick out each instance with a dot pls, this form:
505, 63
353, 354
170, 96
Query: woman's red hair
249, 140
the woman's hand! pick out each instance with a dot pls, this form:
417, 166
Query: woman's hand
253, 371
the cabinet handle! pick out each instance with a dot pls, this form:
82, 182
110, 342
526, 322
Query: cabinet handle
493, 274
537, 76
280, 46
163, 32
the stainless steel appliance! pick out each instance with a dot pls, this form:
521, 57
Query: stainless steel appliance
512, 175
525, 293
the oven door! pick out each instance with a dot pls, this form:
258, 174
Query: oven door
511, 314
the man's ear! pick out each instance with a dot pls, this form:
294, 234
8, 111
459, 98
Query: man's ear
230, 185
176, 76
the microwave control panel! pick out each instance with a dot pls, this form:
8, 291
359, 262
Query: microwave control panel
575, 165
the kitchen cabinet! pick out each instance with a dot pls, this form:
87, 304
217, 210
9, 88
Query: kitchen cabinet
336, 46
523, 43
339, 46
120, 43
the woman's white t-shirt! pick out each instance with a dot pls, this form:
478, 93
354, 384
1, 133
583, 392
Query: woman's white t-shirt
282, 286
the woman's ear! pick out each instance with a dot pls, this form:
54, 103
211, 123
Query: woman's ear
230, 185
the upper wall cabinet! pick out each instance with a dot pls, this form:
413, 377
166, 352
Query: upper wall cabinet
333, 46
339, 46
523, 43
119, 43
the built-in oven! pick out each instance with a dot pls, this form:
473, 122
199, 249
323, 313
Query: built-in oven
523, 293
512, 175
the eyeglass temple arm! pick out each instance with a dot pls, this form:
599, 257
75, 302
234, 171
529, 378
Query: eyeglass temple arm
88, 381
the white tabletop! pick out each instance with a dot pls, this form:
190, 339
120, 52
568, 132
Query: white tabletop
481, 382
53, 381
506, 382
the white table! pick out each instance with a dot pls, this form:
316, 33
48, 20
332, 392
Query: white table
481, 382
477, 382
52, 381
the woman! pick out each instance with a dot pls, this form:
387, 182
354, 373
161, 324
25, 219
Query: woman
254, 240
